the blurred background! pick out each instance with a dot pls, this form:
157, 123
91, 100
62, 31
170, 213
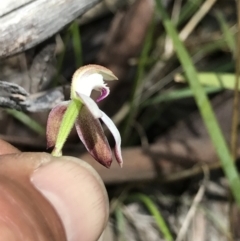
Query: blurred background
175, 104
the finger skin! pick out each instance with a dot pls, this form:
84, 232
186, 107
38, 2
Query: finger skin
48, 198
6, 148
78, 195
23, 209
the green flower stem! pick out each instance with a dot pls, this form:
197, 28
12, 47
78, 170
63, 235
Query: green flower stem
66, 126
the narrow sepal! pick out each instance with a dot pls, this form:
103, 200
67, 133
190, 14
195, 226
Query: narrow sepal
91, 105
54, 122
111, 126
91, 134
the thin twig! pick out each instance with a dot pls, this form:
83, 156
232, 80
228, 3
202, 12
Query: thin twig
191, 172
197, 17
197, 199
193, 22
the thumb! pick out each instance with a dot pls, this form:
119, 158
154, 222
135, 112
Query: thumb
40, 185
78, 195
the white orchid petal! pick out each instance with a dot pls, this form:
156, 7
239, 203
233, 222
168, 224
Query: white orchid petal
90, 77
111, 126
86, 83
91, 105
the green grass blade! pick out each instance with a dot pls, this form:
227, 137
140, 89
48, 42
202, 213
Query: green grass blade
153, 209
27, 121
137, 88
120, 223
62, 54
77, 45
178, 94
188, 10
227, 34
221, 80
61, 58
204, 106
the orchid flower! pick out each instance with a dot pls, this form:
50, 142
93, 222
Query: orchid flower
83, 112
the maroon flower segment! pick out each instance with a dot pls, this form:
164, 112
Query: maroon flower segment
92, 136
87, 123
54, 122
